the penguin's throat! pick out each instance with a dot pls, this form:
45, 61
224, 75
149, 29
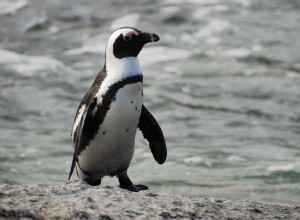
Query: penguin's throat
123, 68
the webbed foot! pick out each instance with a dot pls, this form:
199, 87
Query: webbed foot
92, 182
134, 188
125, 183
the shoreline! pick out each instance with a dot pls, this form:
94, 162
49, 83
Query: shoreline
77, 200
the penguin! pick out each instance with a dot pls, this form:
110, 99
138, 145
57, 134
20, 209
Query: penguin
110, 113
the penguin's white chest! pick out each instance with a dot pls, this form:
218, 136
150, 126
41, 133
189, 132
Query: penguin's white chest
112, 148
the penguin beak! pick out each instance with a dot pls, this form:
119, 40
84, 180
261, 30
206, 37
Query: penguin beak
149, 37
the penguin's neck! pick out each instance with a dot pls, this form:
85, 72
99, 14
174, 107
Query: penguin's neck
119, 69
116, 71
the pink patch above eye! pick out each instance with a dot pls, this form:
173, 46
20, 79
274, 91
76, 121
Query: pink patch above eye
131, 33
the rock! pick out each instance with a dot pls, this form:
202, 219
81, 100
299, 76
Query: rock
77, 200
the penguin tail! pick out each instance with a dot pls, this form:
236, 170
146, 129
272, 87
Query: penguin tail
73, 165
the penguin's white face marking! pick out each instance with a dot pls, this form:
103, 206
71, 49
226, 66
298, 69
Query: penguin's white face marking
127, 36
126, 33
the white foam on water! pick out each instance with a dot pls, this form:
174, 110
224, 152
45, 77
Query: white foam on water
147, 155
36, 21
169, 11
240, 52
212, 40
292, 74
197, 2
193, 160
236, 158
257, 47
125, 21
186, 89
186, 37
207, 10
281, 167
244, 3
151, 55
94, 44
237, 52
10, 7
54, 29
213, 27
29, 65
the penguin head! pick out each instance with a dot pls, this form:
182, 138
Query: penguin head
128, 42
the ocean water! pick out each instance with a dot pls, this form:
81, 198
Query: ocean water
223, 82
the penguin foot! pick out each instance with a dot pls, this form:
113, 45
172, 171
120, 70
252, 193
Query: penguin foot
134, 188
92, 182
125, 183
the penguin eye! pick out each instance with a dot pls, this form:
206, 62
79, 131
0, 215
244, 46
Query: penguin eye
127, 38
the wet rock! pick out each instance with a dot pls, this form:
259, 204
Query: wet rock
77, 200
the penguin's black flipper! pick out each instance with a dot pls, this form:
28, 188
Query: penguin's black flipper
154, 135
77, 142
80, 136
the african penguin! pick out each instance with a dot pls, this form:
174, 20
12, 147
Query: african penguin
111, 111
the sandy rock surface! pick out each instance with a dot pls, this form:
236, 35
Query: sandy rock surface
77, 200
